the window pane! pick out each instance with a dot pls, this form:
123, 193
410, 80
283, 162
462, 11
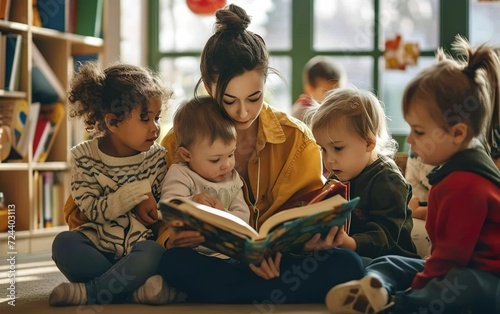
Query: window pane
359, 70
278, 89
181, 75
393, 84
343, 25
484, 22
182, 30
414, 20
131, 31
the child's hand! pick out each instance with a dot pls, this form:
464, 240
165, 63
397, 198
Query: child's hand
179, 237
207, 199
146, 212
336, 237
269, 268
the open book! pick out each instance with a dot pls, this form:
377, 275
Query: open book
285, 232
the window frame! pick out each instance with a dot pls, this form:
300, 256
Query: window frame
454, 19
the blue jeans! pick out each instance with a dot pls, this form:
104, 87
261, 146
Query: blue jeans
460, 289
303, 280
106, 279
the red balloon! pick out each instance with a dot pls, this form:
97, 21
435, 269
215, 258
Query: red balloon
205, 6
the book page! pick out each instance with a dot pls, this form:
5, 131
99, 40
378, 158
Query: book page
293, 213
209, 215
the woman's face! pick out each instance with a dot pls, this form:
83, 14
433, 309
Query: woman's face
243, 98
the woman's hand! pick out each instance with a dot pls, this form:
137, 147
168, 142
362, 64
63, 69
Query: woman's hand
146, 212
336, 237
183, 238
269, 268
207, 199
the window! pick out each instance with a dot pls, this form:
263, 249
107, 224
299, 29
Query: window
182, 35
352, 32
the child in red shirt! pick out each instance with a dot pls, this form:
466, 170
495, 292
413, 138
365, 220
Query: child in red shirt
447, 107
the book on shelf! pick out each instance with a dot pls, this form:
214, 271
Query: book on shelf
45, 86
89, 18
13, 44
5, 9
17, 123
28, 131
52, 14
42, 131
285, 232
80, 59
49, 122
47, 185
6, 116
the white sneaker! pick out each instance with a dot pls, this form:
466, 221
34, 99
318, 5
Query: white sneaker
155, 291
367, 295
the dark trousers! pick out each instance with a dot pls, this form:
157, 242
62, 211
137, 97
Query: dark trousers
460, 290
107, 280
303, 280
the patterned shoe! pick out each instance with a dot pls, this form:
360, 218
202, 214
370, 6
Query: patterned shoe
365, 296
155, 291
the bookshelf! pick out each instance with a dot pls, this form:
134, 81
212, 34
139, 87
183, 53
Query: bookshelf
20, 177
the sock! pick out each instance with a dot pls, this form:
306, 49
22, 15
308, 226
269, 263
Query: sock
68, 293
156, 291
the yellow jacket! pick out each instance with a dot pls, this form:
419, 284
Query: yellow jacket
286, 164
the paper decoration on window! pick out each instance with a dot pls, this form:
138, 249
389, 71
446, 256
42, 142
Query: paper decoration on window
399, 54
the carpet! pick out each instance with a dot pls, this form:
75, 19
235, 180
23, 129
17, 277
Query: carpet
36, 275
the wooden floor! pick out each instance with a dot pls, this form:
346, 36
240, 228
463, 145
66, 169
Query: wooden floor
41, 307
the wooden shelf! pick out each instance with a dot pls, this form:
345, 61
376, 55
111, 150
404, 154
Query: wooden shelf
23, 182
13, 26
14, 166
51, 166
12, 94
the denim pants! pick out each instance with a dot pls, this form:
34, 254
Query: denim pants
302, 279
461, 289
107, 280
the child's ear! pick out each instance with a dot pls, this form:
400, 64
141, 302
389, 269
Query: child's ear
111, 122
459, 132
184, 154
370, 145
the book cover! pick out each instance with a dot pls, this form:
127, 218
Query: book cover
19, 121
55, 115
284, 232
3, 61
89, 18
4, 9
79, 59
45, 86
52, 14
42, 131
12, 61
28, 131
47, 185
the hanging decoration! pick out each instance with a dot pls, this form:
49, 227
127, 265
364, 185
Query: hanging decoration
205, 7
399, 54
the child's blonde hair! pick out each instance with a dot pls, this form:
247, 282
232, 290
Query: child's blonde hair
202, 118
461, 91
361, 112
118, 89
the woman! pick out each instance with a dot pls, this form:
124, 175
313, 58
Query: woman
279, 162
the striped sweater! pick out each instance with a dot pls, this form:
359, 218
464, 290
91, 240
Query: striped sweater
107, 188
